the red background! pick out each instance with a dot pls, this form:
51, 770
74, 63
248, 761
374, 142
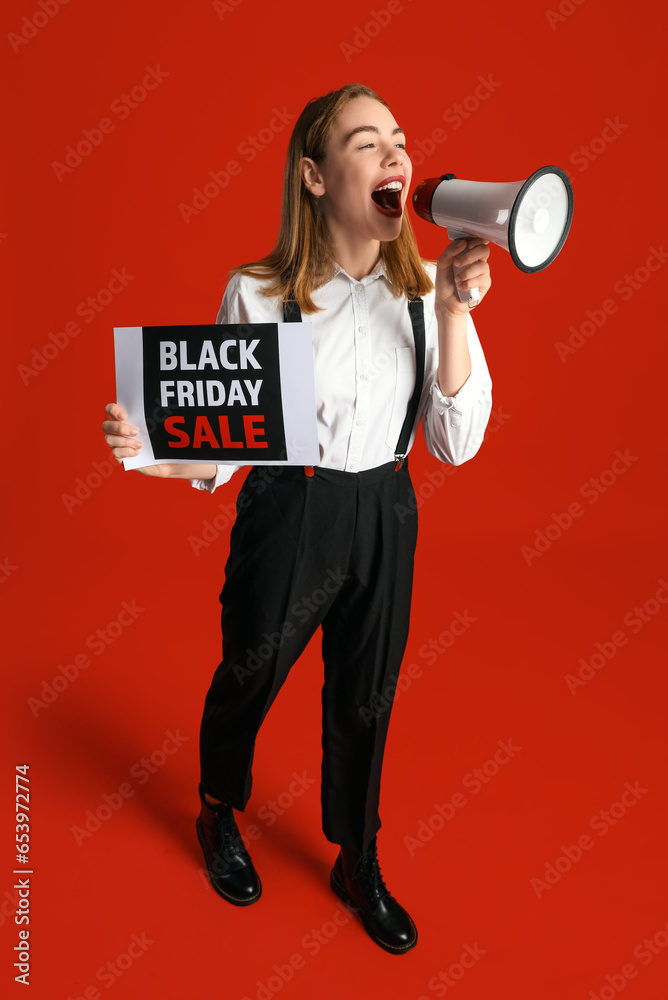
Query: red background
557, 425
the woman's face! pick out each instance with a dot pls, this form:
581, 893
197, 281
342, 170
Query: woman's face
365, 152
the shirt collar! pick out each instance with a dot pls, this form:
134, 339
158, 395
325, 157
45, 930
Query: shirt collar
379, 270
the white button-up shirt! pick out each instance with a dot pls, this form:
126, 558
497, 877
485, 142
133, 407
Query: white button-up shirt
364, 369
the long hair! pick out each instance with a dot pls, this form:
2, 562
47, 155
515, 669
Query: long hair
302, 259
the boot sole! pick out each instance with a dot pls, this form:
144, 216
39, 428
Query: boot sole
391, 948
212, 875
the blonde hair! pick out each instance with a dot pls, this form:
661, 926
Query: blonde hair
302, 260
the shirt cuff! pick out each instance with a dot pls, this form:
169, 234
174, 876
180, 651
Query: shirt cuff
455, 404
223, 475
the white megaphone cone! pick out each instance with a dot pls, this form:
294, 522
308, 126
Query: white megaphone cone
529, 218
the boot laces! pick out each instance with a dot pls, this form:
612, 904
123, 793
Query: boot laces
369, 871
229, 838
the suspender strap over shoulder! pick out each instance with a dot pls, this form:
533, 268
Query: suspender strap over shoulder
416, 309
292, 314
291, 311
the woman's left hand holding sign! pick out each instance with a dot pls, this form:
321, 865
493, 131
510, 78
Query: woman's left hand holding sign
124, 443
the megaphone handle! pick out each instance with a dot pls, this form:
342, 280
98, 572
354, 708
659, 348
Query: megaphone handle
466, 293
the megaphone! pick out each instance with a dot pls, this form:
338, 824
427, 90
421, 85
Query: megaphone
529, 218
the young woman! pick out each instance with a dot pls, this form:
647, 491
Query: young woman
333, 546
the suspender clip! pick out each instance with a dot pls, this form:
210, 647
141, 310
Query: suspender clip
401, 461
308, 470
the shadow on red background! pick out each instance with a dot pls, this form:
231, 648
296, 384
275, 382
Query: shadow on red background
486, 860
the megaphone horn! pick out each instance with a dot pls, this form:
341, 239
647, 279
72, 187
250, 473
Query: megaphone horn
530, 218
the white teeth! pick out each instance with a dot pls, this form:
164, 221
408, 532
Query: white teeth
391, 186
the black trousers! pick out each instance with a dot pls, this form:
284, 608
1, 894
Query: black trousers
333, 550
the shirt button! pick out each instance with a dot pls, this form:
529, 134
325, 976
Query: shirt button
361, 329
359, 289
359, 423
362, 378
353, 466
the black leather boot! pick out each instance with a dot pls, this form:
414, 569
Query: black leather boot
357, 880
227, 861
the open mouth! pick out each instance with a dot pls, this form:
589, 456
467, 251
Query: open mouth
387, 198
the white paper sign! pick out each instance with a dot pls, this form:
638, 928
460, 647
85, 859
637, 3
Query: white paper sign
229, 394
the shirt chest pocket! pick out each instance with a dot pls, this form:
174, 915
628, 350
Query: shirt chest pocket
402, 389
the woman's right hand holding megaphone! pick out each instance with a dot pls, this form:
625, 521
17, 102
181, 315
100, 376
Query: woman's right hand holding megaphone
462, 276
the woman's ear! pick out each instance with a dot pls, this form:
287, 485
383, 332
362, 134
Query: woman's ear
312, 177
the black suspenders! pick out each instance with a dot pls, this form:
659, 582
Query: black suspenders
416, 309
292, 314
291, 311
